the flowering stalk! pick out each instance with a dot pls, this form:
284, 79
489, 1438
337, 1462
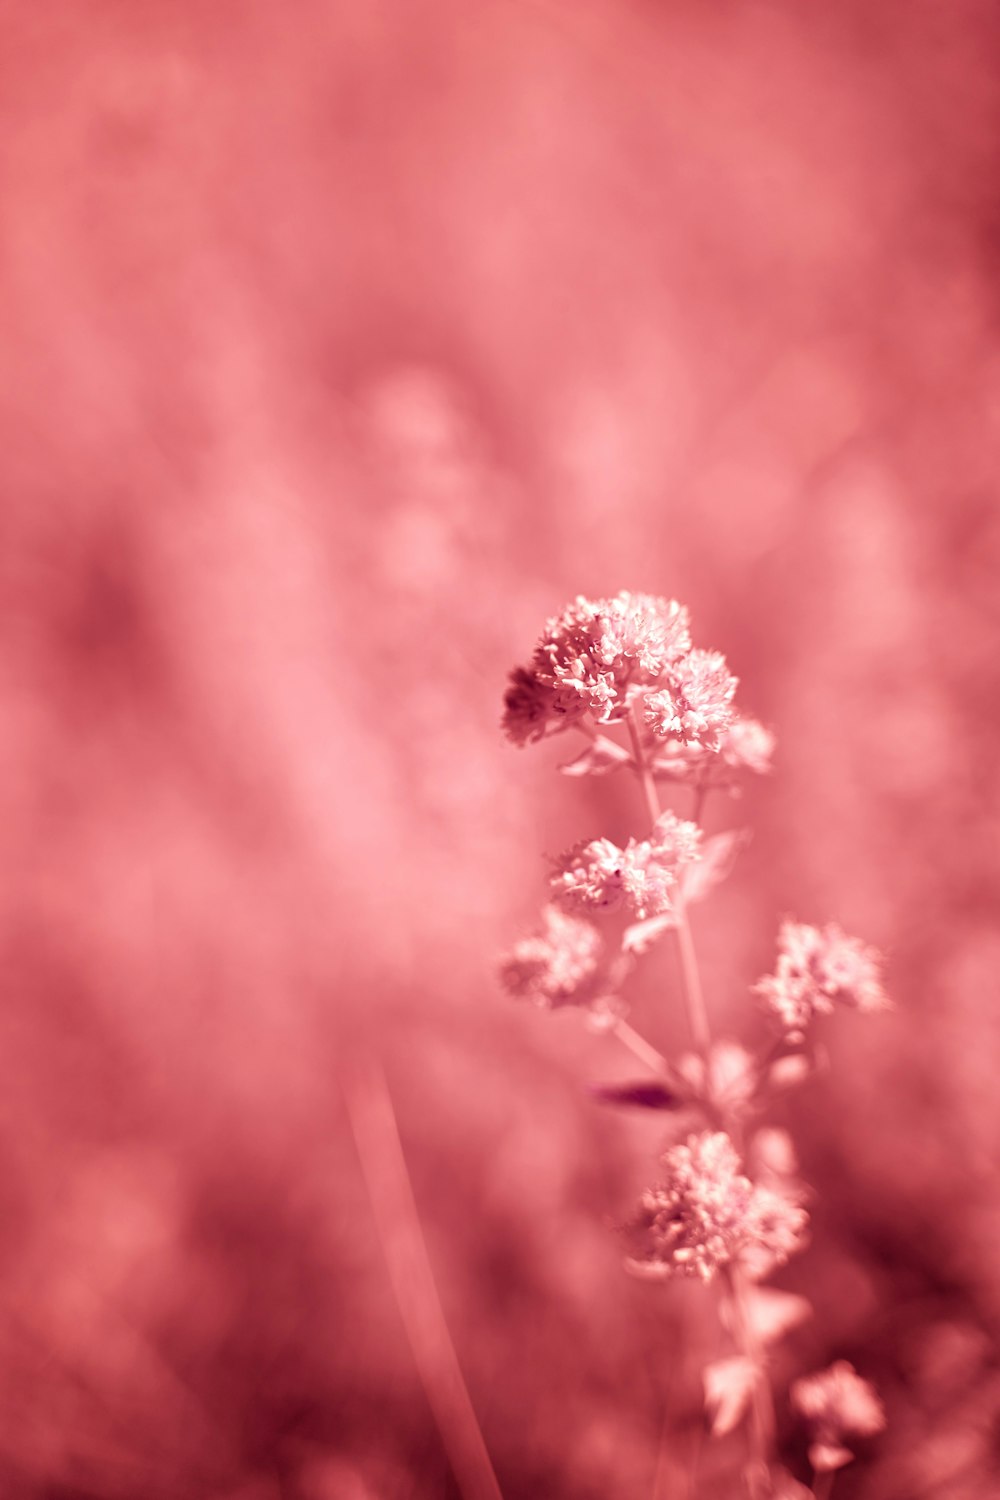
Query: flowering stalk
763, 1423
728, 1204
691, 979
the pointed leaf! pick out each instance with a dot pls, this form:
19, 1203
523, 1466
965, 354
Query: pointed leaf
647, 1270
825, 1457
772, 1151
641, 936
729, 1387
647, 1094
787, 1487
789, 1071
770, 1313
597, 759
718, 855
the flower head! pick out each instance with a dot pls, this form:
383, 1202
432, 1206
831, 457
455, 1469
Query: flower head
694, 705
817, 969
643, 876
706, 1213
559, 964
596, 649
837, 1405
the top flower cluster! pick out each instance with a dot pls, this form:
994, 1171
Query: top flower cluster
606, 657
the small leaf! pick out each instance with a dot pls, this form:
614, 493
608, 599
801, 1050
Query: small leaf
647, 1270
772, 1152
786, 1487
597, 759
718, 855
729, 1387
770, 1313
825, 1457
641, 936
790, 1070
648, 1094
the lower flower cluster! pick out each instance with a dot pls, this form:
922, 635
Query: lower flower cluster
559, 964
706, 1214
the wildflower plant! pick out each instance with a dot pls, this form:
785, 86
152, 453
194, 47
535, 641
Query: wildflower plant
727, 1207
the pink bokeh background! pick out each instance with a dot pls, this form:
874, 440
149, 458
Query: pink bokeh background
341, 345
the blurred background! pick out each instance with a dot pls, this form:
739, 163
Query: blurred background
341, 345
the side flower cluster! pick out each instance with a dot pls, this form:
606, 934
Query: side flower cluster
817, 969
695, 705
706, 1214
643, 876
559, 964
837, 1407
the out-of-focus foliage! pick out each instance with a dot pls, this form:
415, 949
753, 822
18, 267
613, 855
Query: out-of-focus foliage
341, 345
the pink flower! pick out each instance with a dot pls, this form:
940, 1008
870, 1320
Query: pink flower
694, 705
559, 964
816, 970
836, 1406
596, 649
706, 1214
643, 876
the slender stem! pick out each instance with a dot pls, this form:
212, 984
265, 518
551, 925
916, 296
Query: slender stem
762, 1405
763, 1424
642, 1049
644, 768
822, 1484
691, 979
694, 999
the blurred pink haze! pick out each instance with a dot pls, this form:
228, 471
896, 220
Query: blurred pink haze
342, 344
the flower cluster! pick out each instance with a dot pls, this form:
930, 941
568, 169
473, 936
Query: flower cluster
590, 658
836, 1406
643, 876
706, 1213
695, 705
559, 964
601, 659
592, 653
818, 968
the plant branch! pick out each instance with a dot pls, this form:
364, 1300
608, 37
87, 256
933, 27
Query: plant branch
762, 1411
643, 1050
